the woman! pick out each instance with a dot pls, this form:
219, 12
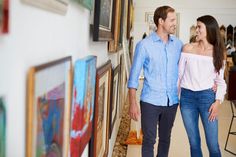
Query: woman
201, 66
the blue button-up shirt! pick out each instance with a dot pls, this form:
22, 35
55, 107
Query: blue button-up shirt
159, 61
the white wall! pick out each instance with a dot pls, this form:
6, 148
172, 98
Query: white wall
223, 11
37, 36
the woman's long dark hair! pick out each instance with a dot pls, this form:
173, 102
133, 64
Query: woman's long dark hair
214, 38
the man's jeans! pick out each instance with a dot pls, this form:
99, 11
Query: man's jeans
194, 104
152, 115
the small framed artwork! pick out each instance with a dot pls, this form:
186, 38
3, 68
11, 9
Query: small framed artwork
4, 16
48, 109
113, 45
83, 104
99, 145
114, 97
103, 16
57, 6
87, 4
149, 17
2, 128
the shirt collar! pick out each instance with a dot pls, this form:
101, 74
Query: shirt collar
156, 37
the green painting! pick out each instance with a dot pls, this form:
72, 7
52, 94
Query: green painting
2, 128
87, 3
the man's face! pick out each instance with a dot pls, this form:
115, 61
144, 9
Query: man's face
169, 24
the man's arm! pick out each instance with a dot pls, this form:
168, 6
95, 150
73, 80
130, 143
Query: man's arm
134, 110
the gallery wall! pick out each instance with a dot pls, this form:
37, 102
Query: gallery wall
37, 36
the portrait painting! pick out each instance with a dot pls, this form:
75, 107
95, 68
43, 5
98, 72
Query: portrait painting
82, 104
99, 145
48, 109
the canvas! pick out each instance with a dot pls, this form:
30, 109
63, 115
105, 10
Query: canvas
2, 128
48, 109
99, 145
83, 104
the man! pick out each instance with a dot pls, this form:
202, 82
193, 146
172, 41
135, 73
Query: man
158, 55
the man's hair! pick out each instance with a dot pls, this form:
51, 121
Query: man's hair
161, 12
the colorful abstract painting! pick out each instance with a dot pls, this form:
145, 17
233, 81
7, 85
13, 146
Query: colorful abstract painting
48, 109
83, 104
2, 128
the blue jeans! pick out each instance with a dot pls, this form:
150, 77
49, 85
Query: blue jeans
151, 116
192, 105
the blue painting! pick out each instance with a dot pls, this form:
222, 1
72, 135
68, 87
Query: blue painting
82, 104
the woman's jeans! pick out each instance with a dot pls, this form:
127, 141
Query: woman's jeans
192, 105
151, 116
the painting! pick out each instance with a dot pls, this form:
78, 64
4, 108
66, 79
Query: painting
130, 17
113, 45
2, 128
82, 104
103, 16
114, 97
57, 6
4, 16
122, 85
99, 145
87, 4
48, 109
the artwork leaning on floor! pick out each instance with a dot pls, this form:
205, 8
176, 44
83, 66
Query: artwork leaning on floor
99, 145
2, 128
4, 16
48, 109
82, 104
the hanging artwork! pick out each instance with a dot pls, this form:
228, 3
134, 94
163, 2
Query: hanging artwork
4, 16
130, 18
103, 16
113, 44
114, 97
2, 128
83, 104
57, 6
229, 35
48, 109
99, 145
222, 32
87, 3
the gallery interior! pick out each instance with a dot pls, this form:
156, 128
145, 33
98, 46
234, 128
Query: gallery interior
83, 110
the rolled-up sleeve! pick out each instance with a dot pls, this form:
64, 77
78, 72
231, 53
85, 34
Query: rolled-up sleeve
138, 61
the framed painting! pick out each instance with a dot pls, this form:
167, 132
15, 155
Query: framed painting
122, 85
2, 128
130, 17
99, 145
4, 16
57, 6
114, 97
87, 4
48, 109
102, 25
82, 104
113, 45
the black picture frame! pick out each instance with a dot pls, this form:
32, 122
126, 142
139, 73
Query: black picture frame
103, 16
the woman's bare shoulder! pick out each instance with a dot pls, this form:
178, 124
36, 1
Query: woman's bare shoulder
189, 47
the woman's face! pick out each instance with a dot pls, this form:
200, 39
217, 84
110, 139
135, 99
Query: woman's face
200, 31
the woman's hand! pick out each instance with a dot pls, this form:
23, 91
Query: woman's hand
214, 109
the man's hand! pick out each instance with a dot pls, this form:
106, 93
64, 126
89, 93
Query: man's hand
214, 111
134, 111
